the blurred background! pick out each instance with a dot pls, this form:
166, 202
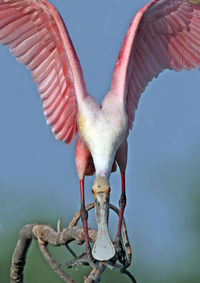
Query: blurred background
38, 180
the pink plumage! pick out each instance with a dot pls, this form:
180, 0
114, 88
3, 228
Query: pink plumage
36, 35
164, 34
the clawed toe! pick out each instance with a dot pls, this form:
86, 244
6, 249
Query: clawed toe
87, 257
84, 259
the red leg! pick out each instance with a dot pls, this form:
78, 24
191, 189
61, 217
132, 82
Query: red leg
84, 215
122, 204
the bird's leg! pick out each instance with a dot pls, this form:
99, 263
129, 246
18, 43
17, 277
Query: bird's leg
118, 241
122, 204
84, 217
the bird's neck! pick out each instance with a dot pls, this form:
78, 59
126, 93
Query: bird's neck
103, 130
103, 164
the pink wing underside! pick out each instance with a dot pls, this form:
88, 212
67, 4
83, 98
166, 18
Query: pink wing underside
163, 34
36, 35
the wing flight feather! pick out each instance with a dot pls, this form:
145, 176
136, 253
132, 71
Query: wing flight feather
163, 34
36, 35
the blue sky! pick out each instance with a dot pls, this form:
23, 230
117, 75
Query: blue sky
163, 163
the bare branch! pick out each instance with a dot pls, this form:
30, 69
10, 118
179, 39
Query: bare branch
19, 255
71, 251
45, 234
126, 239
95, 274
53, 264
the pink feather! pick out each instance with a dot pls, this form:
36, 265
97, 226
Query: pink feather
37, 36
163, 34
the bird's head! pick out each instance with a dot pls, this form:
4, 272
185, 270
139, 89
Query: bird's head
100, 186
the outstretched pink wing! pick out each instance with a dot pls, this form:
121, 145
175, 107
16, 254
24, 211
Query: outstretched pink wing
163, 34
36, 35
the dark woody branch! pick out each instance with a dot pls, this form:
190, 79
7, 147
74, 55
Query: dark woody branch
45, 234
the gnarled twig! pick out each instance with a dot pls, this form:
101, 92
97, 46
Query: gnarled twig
45, 234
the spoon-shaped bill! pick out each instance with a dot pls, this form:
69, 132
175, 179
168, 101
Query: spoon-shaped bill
103, 248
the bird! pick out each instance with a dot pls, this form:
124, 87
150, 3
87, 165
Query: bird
164, 34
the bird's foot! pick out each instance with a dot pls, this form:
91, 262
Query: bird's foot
120, 252
87, 257
84, 259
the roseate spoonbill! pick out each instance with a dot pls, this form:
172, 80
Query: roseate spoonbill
163, 34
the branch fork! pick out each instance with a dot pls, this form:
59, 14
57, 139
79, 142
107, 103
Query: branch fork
45, 235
